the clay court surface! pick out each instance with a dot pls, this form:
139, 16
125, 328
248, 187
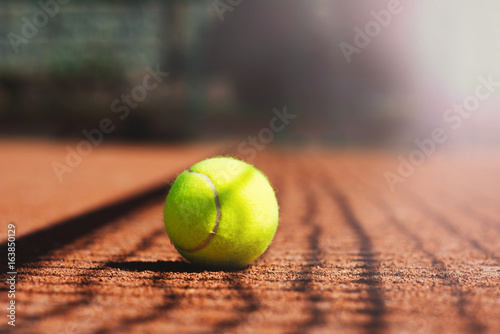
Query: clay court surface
350, 256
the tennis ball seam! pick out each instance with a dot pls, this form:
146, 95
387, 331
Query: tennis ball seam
212, 234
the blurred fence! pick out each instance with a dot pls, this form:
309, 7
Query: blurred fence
58, 37
64, 63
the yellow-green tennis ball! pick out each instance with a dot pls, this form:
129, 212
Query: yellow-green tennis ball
222, 213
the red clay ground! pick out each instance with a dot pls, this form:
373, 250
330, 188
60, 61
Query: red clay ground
349, 256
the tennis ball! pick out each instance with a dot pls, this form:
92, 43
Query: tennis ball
222, 213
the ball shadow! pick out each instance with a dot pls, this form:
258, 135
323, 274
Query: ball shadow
162, 267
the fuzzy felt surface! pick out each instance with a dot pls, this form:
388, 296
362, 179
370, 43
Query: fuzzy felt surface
248, 207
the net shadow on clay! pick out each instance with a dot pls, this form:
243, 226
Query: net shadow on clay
316, 316
374, 303
34, 246
462, 297
442, 273
447, 225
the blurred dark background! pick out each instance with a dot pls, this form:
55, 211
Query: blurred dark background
231, 63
